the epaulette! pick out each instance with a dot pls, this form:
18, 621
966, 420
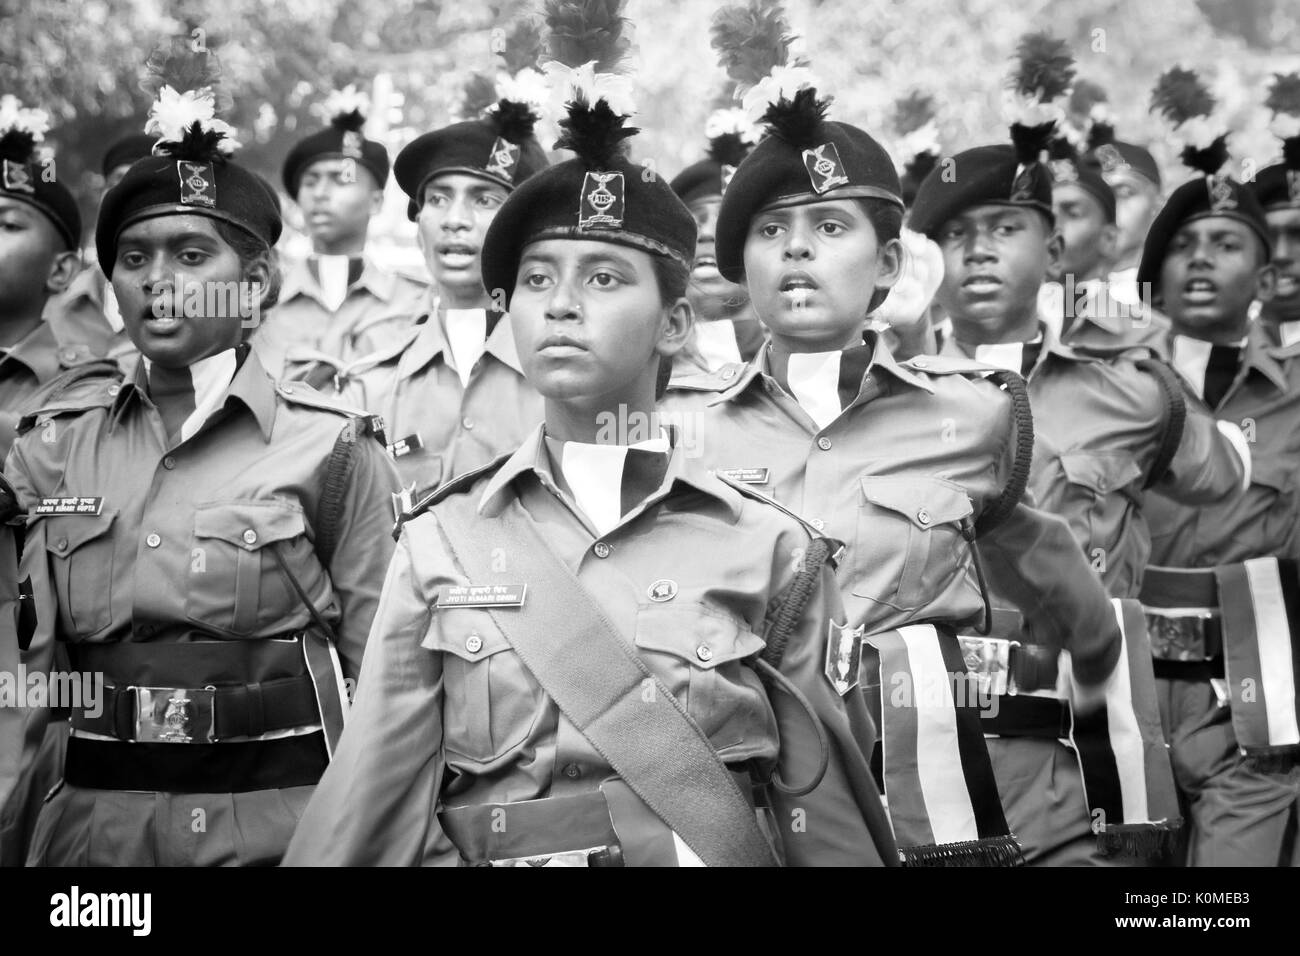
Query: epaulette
301, 393
458, 484
947, 365
719, 380
750, 491
93, 384
410, 274
75, 355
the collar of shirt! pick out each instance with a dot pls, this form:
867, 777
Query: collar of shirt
607, 481
430, 341
298, 280
38, 351
252, 387
1257, 355
881, 359
532, 459
1050, 345
716, 343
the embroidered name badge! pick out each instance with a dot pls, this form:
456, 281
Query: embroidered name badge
601, 204
198, 183
727, 173
404, 446
18, 177
1111, 158
1064, 171
503, 159
747, 476
1022, 187
825, 170
69, 506
485, 595
843, 657
352, 143
1221, 197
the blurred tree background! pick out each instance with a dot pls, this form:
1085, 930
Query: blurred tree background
82, 60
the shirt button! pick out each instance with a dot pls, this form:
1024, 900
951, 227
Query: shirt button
818, 523
250, 536
728, 373
114, 389
169, 462
923, 516
704, 653
473, 643
62, 545
824, 443
467, 422
602, 549
153, 540
920, 363
572, 771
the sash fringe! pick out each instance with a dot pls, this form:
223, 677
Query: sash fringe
992, 851
1138, 840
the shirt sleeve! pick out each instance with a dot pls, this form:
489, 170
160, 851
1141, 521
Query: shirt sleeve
1211, 463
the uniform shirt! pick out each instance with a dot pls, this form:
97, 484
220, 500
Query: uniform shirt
86, 314
1106, 319
447, 716
1098, 427
921, 450
1264, 401
436, 427
33, 361
377, 312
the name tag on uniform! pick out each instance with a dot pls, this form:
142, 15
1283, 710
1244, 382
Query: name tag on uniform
486, 595
69, 506
404, 446
747, 476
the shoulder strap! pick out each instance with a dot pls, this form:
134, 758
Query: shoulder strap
1023, 417
592, 673
1175, 416
79, 388
461, 482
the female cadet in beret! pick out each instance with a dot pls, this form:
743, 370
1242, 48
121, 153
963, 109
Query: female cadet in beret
491, 727
201, 543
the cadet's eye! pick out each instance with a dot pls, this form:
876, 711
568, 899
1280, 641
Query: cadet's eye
770, 231
1006, 229
604, 280
832, 228
489, 201
193, 257
11, 225
536, 280
435, 199
131, 260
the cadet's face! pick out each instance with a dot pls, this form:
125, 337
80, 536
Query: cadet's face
1084, 229
994, 260
1137, 200
28, 244
338, 197
454, 218
811, 271
589, 321
1211, 272
707, 282
163, 266
1284, 228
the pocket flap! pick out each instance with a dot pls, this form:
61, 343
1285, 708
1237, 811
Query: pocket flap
922, 500
695, 633
249, 524
1273, 472
66, 533
468, 633
1100, 471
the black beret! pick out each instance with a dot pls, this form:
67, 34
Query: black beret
167, 186
985, 175
1277, 186
335, 142
476, 147
1117, 155
1086, 174
1200, 198
707, 178
34, 183
826, 161
126, 151
622, 203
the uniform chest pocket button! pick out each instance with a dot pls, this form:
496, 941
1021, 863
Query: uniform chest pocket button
82, 569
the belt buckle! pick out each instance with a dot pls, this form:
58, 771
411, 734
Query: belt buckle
175, 715
988, 660
593, 856
1178, 636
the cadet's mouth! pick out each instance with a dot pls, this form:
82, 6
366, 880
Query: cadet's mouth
797, 283
981, 284
1287, 286
159, 322
456, 253
561, 345
706, 264
1200, 291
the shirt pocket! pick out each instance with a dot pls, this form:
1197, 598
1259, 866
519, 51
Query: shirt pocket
234, 582
491, 703
909, 543
1273, 484
698, 652
81, 552
1100, 493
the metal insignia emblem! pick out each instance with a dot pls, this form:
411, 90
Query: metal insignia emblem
662, 590
602, 201
504, 157
1111, 158
352, 143
727, 173
198, 183
843, 657
177, 719
18, 177
825, 170
1022, 187
1064, 171
1221, 197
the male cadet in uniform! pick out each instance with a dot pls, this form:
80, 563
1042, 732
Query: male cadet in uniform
338, 303
1131, 171
1222, 595
726, 329
1277, 188
1103, 432
86, 312
551, 620
452, 394
40, 229
905, 462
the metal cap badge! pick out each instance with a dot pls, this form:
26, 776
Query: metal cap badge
825, 170
1221, 196
1064, 170
18, 177
198, 183
602, 201
503, 159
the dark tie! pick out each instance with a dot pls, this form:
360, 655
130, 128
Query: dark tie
1029, 357
1220, 372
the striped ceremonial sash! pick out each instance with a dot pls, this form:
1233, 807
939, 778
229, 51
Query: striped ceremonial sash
326, 673
939, 785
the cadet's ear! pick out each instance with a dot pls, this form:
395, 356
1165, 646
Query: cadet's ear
1266, 282
376, 201
1055, 253
679, 320
1108, 241
64, 267
889, 262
